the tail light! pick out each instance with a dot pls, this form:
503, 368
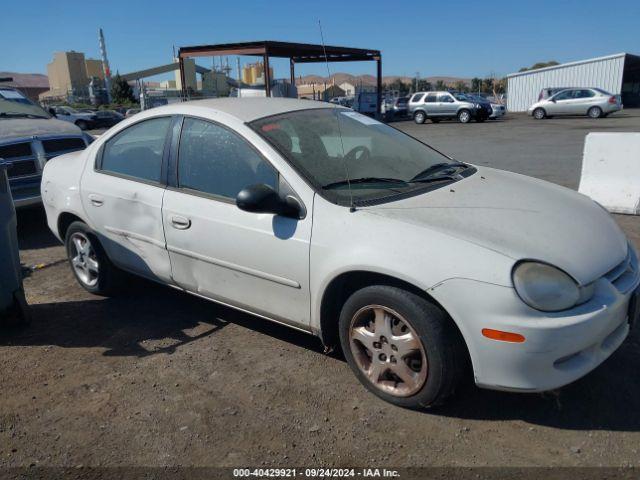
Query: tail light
612, 100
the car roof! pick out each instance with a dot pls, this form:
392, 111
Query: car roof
250, 109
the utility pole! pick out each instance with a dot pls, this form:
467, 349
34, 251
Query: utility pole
239, 77
105, 66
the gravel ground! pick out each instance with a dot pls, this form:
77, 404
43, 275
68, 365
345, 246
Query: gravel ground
158, 378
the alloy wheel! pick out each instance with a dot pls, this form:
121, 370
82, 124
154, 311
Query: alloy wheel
83, 259
388, 351
464, 116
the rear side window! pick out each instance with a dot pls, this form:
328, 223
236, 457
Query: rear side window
417, 97
217, 161
585, 94
431, 98
445, 98
137, 151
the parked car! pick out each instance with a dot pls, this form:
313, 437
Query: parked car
498, 110
13, 305
131, 112
366, 103
83, 120
593, 102
29, 137
395, 108
437, 106
107, 118
418, 266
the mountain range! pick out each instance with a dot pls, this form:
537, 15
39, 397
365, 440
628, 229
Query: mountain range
371, 80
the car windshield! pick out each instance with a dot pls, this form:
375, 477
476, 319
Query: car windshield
15, 105
349, 157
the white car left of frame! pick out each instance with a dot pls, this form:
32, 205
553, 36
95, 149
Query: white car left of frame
420, 267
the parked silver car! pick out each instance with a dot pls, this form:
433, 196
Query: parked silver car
437, 106
593, 102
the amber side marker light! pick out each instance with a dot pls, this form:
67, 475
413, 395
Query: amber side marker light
502, 336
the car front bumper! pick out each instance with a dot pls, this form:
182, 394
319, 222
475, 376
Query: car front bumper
559, 347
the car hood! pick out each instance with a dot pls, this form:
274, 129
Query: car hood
13, 128
522, 218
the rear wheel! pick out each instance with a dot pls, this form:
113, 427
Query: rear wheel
594, 112
401, 347
539, 113
464, 116
419, 117
89, 262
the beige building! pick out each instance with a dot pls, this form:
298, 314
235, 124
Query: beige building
94, 68
319, 91
253, 73
189, 74
69, 73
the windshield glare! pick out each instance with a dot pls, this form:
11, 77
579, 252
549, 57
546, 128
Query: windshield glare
15, 105
325, 144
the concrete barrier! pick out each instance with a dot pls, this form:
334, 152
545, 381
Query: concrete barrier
611, 171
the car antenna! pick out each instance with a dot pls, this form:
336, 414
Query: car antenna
335, 108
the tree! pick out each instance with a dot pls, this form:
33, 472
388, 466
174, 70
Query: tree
535, 66
460, 86
476, 84
440, 85
424, 86
121, 91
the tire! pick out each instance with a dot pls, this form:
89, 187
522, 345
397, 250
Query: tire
89, 262
464, 116
435, 120
419, 117
82, 125
594, 112
539, 113
436, 358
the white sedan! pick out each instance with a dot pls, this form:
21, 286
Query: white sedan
308, 214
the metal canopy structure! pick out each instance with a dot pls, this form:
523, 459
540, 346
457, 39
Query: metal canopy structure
295, 52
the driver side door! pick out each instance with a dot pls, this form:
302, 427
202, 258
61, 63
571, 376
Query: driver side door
253, 261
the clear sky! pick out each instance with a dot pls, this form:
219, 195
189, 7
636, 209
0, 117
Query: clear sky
461, 38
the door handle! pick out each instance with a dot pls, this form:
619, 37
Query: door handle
180, 222
96, 200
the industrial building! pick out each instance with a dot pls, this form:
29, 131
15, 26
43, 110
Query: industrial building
618, 74
70, 75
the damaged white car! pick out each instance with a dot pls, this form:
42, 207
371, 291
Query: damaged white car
311, 215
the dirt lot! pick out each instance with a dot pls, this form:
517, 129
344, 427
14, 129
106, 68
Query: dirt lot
159, 378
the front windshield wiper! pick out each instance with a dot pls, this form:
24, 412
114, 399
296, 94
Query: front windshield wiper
438, 167
342, 183
19, 115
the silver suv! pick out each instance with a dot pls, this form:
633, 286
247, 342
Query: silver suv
437, 106
593, 102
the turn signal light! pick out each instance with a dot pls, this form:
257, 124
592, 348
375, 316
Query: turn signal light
502, 336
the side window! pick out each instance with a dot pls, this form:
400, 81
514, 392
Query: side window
431, 98
585, 94
137, 151
214, 160
565, 95
417, 97
445, 98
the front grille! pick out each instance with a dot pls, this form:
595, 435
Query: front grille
624, 275
59, 145
15, 150
21, 168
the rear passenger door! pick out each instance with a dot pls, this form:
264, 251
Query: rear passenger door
122, 196
446, 105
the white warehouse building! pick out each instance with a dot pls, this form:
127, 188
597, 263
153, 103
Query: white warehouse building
618, 74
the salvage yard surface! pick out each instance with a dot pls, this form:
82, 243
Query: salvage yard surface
157, 377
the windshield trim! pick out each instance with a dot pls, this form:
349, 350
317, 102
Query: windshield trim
418, 189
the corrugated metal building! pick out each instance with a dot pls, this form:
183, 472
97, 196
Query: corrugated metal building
618, 74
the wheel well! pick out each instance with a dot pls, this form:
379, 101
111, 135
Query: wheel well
341, 288
419, 110
64, 220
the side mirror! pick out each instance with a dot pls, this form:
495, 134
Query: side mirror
261, 198
553, 100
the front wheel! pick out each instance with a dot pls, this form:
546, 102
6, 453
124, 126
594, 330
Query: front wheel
401, 347
595, 112
464, 116
539, 113
419, 117
89, 262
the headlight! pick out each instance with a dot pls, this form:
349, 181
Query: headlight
477, 105
547, 288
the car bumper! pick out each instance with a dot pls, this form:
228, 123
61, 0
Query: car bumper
497, 113
611, 108
559, 348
